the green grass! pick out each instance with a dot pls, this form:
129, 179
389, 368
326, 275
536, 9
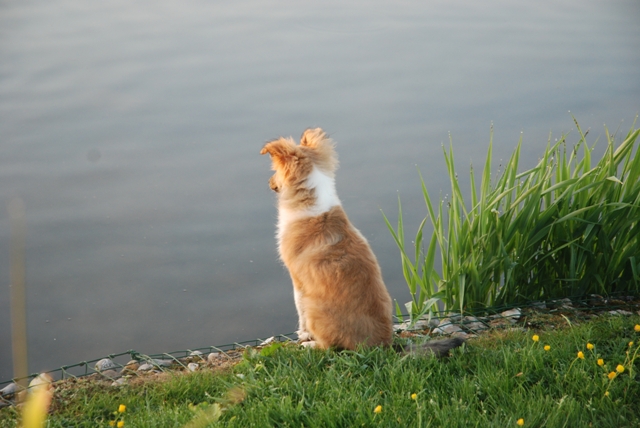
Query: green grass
566, 227
495, 380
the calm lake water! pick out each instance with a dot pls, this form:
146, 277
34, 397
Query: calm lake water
132, 131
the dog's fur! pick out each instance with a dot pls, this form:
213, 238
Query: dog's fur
340, 296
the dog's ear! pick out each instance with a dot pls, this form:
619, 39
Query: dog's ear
315, 138
283, 151
322, 149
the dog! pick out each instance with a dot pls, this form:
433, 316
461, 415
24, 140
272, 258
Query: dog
340, 296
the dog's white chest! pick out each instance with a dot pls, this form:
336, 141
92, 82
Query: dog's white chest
326, 198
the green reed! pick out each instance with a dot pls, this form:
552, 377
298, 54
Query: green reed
563, 228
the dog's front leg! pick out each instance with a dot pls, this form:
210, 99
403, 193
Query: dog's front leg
303, 333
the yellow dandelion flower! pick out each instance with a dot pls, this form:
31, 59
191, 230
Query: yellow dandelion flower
612, 375
581, 355
535, 338
590, 346
378, 409
112, 423
122, 408
619, 368
637, 328
606, 393
547, 347
414, 396
600, 362
120, 424
520, 422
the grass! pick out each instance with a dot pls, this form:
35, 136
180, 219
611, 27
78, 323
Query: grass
497, 379
565, 228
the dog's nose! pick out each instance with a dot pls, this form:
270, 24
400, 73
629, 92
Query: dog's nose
273, 185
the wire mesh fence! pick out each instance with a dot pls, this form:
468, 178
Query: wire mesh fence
465, 324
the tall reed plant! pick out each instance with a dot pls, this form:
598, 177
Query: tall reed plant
563, 228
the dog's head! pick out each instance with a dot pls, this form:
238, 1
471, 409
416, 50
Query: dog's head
293, 163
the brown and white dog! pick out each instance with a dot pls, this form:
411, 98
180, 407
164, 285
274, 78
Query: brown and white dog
340, 296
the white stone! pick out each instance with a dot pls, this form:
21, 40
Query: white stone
212, 357
10, 389
446, 327
512, 315
268, 341
105, 364
620, 312
473, 324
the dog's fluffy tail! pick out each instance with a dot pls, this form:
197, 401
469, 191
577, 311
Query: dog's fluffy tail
437, 348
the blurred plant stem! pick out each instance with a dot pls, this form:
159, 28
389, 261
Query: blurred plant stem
17, 215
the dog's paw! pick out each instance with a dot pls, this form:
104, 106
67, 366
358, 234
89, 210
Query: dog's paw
309, 344
304, 336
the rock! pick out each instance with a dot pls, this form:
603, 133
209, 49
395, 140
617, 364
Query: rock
561, 304
596, 300
43, 379
197, 354
119, 382
268, 341
463, 335
473, 324
213, 357
620, 312
539, 305
110, 374
400, 327
145, 367
418, 325
454, 316
446, 327
193, 367
105, 364
161, 363
513, 315
131, 366
10, 390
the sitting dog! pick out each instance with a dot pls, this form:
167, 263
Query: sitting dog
339, 293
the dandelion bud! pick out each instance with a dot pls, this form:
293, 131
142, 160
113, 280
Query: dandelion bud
581, 355
590, 346
378, 409
600, 362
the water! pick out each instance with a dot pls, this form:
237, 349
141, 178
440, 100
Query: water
132, 129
